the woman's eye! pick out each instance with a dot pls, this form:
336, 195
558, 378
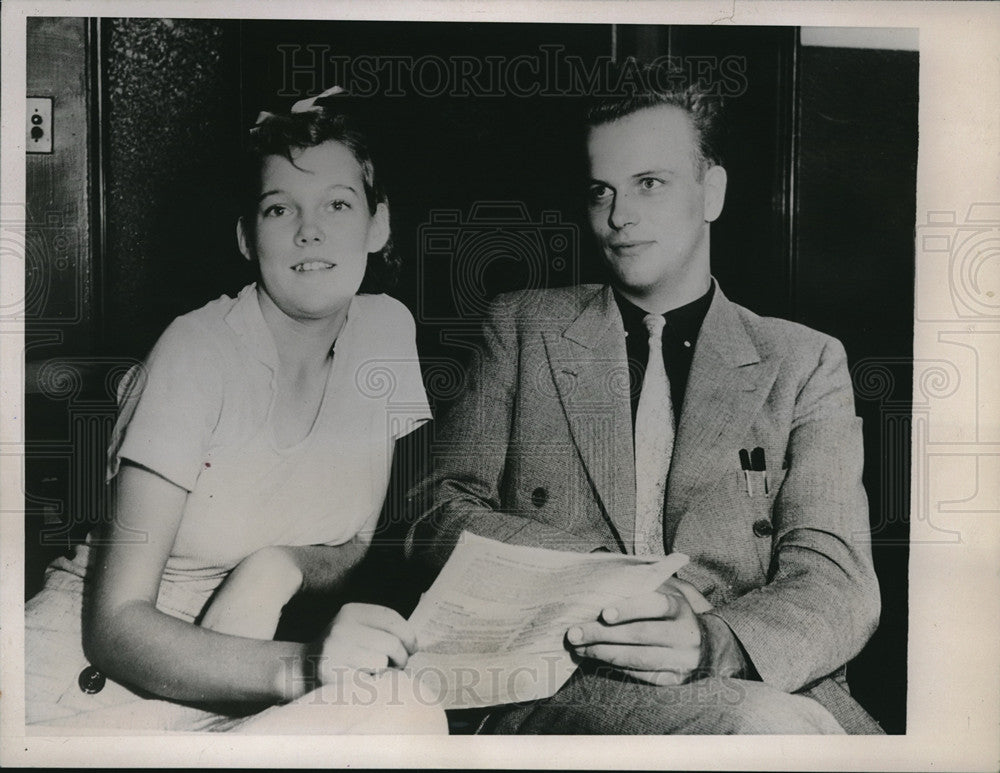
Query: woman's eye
276, 210
339, 204
650, 183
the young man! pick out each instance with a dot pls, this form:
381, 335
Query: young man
654, 415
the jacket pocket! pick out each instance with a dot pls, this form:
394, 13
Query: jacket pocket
761, 490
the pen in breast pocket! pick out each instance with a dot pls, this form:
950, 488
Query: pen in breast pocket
746, 466
759, 464
754, 466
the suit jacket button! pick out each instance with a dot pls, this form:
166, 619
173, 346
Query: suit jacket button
91, 680
539, 497
763, 528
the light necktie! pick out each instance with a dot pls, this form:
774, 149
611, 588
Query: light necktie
654, 444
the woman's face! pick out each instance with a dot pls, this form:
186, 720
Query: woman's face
313, 231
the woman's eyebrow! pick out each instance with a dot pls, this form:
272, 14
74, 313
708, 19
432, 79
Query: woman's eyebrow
272, 192
335, 186
344, 186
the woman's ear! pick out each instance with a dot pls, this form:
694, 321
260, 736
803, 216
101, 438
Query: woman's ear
378, 231
715, 192
241, 240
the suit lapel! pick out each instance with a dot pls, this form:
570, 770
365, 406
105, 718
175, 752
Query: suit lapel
590, 369
726, 389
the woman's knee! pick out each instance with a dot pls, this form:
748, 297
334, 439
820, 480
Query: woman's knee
357, 703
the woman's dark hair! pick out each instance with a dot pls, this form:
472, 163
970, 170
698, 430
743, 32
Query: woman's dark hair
283, 134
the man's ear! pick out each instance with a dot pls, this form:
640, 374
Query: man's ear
241, 240
378, 231
715, 192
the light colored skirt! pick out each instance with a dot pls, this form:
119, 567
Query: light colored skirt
389, 703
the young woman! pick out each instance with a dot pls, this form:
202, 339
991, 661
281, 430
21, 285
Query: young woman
251, 458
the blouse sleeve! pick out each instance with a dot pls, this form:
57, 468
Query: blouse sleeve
407, 404
169, 407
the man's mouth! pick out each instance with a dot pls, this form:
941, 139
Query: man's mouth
312, 265
628, 247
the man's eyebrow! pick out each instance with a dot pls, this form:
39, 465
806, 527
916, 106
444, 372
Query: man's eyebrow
652, 172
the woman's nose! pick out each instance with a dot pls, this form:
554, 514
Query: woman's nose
309, 233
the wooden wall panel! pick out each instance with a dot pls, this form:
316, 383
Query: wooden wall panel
59, 289
854, 278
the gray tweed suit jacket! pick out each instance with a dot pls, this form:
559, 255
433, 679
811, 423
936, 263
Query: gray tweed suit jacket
539, 451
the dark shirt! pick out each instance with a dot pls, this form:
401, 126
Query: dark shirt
680, 334
721, 652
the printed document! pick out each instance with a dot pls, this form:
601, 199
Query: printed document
491, 629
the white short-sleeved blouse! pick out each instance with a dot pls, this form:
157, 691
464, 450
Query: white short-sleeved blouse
199, 414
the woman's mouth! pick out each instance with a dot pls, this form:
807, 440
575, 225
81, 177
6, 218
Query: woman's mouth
312, 265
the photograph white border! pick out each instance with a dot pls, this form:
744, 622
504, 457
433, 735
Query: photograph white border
953, 706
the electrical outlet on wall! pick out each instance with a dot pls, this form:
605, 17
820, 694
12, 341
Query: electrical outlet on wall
39, 125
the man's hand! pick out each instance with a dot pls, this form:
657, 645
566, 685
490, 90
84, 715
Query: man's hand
250, 600
365, 637
654, 637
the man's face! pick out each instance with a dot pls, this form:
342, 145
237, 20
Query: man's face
648, 209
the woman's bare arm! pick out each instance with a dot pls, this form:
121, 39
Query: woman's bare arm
251, 599
325, 568
130, 640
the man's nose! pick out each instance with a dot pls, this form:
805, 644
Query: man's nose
623, 212
309, 233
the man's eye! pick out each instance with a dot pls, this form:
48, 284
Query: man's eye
339, 204
276, 210
599, 193
650, 183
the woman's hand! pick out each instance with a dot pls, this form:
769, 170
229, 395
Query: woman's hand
250, 600
365, 637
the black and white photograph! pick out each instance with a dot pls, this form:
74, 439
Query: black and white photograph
381, 385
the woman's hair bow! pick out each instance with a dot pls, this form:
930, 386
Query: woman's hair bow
303, 105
